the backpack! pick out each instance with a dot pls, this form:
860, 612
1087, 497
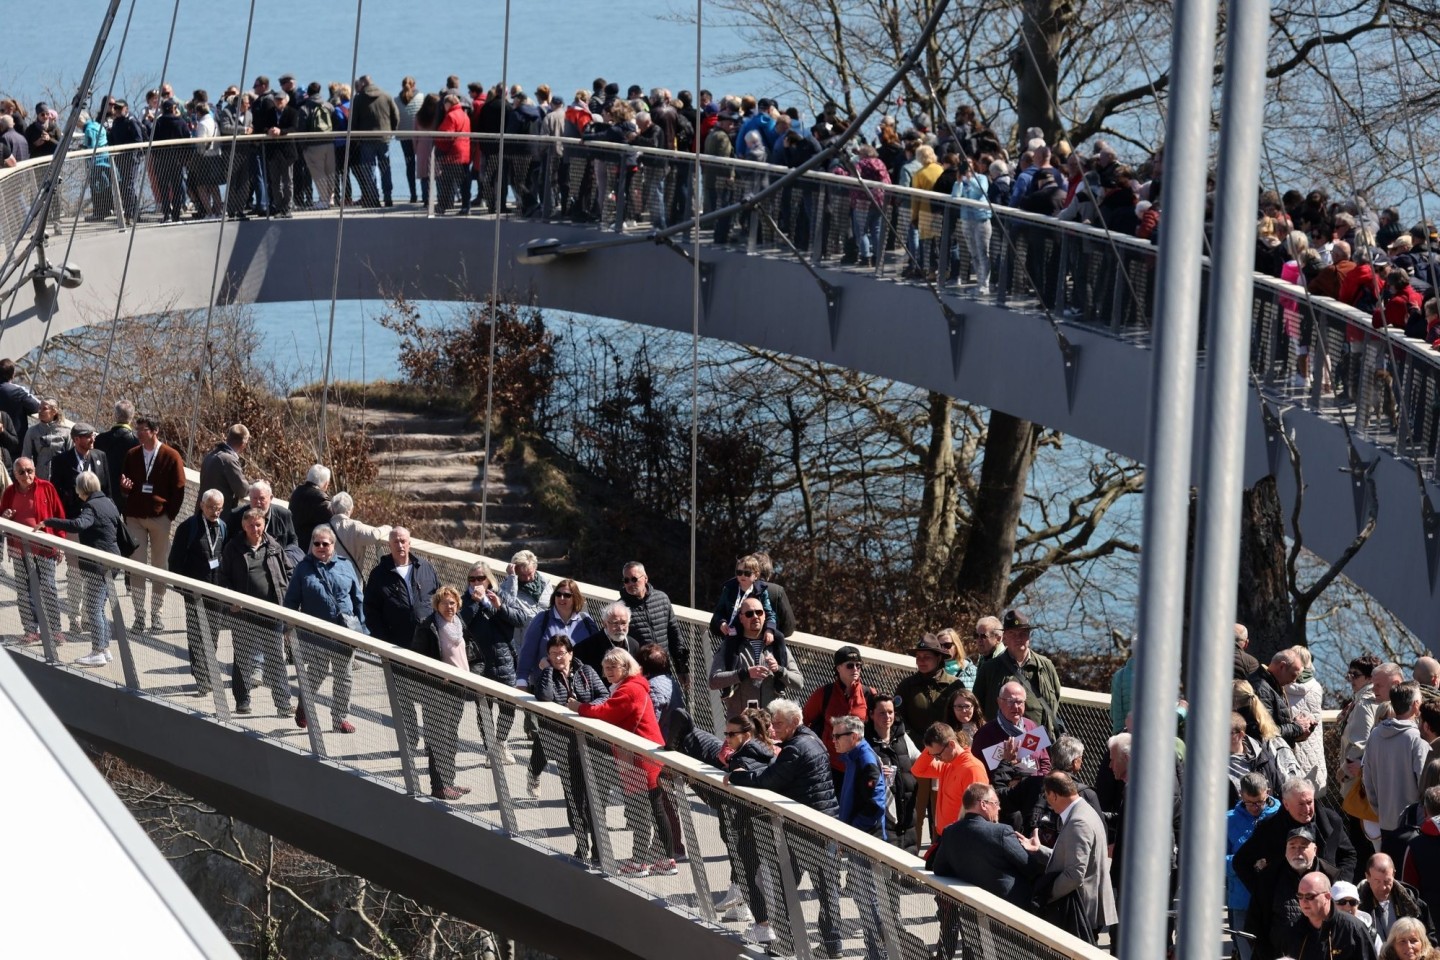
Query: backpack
319, 119
1366, 300
1275, 761
1415, 325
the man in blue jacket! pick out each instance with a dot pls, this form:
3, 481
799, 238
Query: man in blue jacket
328, 590
1255, 804
862, 806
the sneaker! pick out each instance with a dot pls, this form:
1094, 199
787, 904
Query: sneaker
505, 754
733, 898
532, 786
664, 868
301, 720
138, 625
760, 933
344, 726
201, 692
96, 658
244, 707
740, 913
106, 652
283, 709
446, 793
634, 868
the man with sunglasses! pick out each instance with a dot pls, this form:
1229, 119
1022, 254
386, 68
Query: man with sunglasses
1275, 906
652, 618
1254, 805
753, 665
1324, 932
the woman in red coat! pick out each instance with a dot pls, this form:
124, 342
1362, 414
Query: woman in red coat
453, 153
653, 845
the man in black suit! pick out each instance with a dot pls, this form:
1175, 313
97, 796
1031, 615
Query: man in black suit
979, 849
119, 440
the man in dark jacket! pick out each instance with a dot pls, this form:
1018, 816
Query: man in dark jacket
652, 618
80, 457
310, 503
801, 772
256, 565
280, 154
1270, 684
1387, 899
195, 553
1324, 932
15, 399
372, 109
1297, 808
119, 440
397, 600
979, 849
222, 468
1274, 908
278, 521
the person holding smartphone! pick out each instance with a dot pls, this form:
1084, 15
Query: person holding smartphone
752, 665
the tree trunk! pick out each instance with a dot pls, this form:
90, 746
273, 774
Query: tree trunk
1264, 603
1036, 62
935, 527
981, 585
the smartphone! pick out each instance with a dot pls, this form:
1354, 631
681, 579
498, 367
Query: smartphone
752, 704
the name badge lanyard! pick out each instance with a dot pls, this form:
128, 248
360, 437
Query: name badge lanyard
147, 486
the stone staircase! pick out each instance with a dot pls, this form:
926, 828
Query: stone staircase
438, 462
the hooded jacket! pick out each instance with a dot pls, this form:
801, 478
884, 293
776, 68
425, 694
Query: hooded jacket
1239, 824
1394, 759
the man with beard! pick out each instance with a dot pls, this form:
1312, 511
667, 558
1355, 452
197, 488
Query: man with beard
1274, 903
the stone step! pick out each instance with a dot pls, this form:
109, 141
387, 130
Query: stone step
401, 476
453, 530
438, 510
386, 459
550, 551
391, 441
389, 421
461, 490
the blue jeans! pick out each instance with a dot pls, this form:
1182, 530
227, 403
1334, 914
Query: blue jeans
97, 602
1243, 949
43, 598
865, 225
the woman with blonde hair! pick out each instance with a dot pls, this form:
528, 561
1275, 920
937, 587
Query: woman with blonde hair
1261, 745
1408, 941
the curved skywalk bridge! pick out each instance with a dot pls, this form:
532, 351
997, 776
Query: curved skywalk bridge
496, 856
1082, 367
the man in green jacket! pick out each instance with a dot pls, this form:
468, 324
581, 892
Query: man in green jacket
1032, 670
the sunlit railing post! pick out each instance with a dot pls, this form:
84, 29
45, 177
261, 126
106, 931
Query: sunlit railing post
404, 736
790, 894
115, 192
119, 634
209, 639
819, 207
596, 793
494, 749
675, 787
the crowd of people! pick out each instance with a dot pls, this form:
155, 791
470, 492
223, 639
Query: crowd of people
967, 761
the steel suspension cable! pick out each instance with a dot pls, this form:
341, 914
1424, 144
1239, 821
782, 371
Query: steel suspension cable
1409, 128
87, 95
134, 223
220, 237
324, 440
696, 204
1335, 103
500, 190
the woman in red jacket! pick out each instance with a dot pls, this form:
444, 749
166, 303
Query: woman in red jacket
453, 153
652, 848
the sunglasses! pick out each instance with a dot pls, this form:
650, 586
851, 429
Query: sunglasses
947, 646
479, 580
733, 733
1307, 897
630, 580
563, 596
321, 543
1347, 902
743, 573
752, 613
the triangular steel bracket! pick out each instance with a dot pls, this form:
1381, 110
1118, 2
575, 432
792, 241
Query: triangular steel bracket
707, 271
1274, 436
1070, 356
1361, 480
955, 323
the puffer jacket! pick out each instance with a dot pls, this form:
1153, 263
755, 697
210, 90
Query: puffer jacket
584, 684
800, 772
494, 635
752, 757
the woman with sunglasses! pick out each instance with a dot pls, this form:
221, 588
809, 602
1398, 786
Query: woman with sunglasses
956, 663
566, 615
746, 583
747, 747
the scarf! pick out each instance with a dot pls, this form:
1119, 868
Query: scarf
533, 589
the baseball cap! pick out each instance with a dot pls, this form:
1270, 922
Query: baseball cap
847, 654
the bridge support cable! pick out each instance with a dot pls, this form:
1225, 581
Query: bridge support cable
324, 439
39, 211
501, 187
696, 280
1143, 916
52, 300
219, 246
1217, 557
134, 223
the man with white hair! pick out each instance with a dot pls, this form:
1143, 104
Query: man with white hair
310, 502
615, 624
354, 538
524, 592
278, 521
195, 552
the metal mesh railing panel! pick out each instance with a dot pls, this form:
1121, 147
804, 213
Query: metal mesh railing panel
1091, 726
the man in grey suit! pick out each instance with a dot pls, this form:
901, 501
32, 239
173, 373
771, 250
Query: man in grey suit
1074, 893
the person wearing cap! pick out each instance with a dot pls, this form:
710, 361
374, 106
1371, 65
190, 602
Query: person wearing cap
1255, 804
1032, 670
1274, 906
79, 456
923, 699
843, 695
1346, 897
1323, 932
720, 177
1298, 808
